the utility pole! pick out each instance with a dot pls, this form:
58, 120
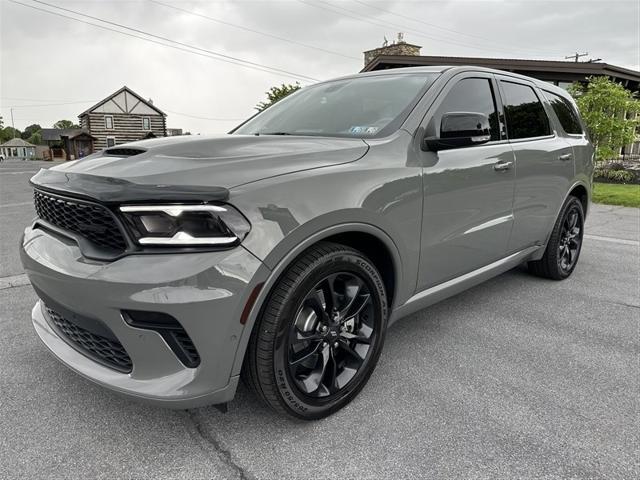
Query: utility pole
576, 56
13, 124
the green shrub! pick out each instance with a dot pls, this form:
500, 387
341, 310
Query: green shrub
614, 175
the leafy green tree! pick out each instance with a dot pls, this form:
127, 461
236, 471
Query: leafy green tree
65, 124
35, 139
277, 93
8, 133
609, 111
30, 130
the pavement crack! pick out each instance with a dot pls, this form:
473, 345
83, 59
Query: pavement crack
14, 281
623, 304
223, 453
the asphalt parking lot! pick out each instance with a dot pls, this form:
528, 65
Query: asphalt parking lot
516, 378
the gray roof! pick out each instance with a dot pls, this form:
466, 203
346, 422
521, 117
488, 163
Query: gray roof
533, 68
55, 134
17, 142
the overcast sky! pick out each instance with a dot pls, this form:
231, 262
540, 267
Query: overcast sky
49, 60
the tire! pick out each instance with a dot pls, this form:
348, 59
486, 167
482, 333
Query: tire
563, 249
324, 320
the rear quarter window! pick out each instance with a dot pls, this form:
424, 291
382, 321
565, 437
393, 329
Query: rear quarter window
526, 117
565, 112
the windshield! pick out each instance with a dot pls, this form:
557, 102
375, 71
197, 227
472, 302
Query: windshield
362, 107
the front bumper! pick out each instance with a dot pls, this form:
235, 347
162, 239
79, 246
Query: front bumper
205, 292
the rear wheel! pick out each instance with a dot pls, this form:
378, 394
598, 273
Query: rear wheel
563, 250
320, 334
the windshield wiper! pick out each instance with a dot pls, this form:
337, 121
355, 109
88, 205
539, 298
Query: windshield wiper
272, 133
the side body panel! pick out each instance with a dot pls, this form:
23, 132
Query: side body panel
544, 173
467, 215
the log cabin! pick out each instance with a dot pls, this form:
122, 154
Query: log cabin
124, 116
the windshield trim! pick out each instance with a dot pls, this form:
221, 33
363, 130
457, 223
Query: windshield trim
393, 126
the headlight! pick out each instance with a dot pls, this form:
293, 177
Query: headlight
185, 225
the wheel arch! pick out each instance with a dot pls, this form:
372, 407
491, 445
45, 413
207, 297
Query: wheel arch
582, 192
376, 245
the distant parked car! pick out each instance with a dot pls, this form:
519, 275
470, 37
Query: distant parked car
169, 268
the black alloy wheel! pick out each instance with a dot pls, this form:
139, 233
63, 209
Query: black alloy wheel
332, 334
565, 242
570, 239
320, 333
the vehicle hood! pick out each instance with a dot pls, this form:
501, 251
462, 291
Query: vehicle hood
194, 164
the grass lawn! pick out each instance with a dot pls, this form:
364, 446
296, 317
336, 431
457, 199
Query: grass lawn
616, 194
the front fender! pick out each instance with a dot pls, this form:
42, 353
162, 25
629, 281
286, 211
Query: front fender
267, 277
379, 195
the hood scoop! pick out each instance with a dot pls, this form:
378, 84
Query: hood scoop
124, 151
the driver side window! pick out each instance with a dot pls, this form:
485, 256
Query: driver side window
472, 95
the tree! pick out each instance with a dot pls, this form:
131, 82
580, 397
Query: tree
30, 131
35, 139
65, 124
609, 112
277, 93
8, 133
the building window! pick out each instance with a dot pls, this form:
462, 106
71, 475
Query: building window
111, 141
108, 122
146, 123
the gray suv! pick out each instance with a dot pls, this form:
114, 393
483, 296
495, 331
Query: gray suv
168, 269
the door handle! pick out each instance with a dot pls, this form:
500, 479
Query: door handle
565, 157
502, 166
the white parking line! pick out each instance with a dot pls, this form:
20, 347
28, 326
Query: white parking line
621, 241
14, 281
17, 173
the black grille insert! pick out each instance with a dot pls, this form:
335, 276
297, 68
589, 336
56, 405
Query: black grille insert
171, 331
108, 352
89, 220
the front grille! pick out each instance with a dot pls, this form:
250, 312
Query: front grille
91, 221
108, 352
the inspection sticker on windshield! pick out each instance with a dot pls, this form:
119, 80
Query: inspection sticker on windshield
363, 130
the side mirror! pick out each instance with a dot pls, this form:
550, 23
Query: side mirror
460, 129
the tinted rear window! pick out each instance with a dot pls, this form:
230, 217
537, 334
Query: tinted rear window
565, 112
525, 114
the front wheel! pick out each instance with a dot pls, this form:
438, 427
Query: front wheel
563, 250
320, 334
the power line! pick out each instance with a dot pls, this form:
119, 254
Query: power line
209, 54
432, 25
229, 57
42, 99
49, 104
358, 16
216, 119
266, 34
206, 118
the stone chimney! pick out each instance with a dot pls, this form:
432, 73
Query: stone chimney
398, 47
